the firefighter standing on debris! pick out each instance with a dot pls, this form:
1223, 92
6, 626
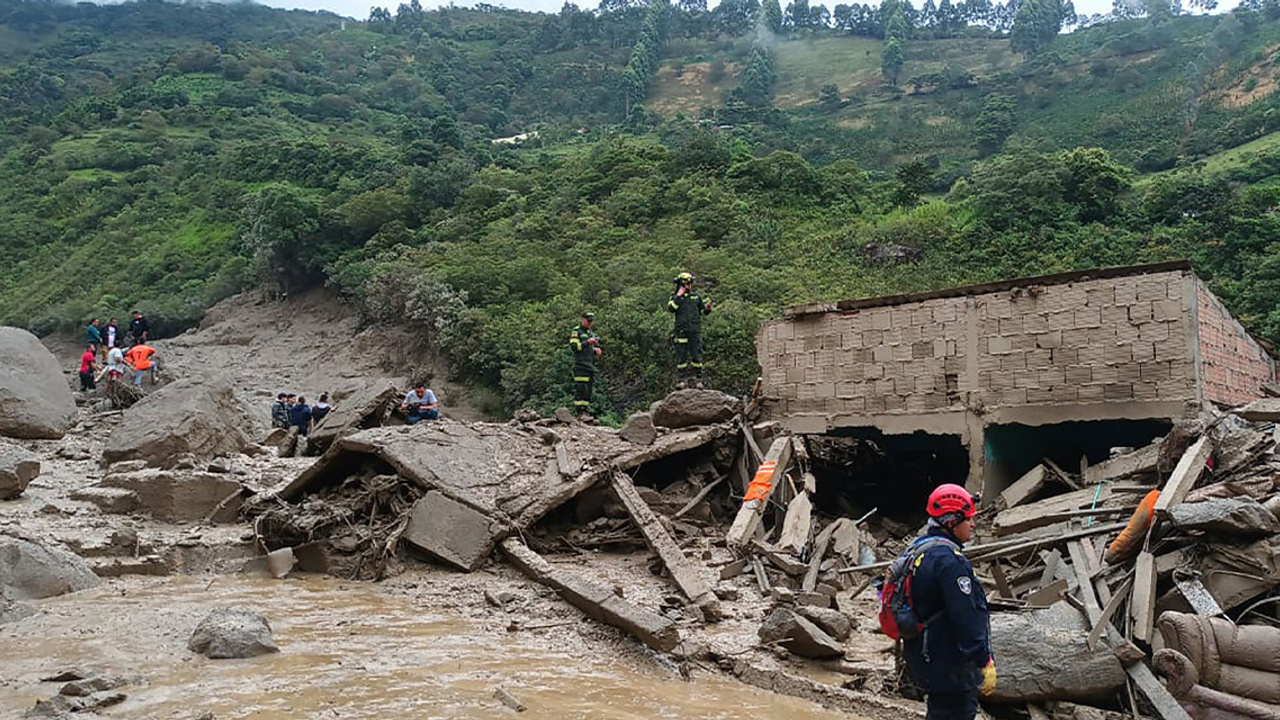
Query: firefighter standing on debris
951, 660
689, 307
585, 345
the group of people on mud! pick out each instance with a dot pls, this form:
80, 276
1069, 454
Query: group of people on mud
292, 410
686, 304
112, 352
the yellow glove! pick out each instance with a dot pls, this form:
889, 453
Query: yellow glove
988, 678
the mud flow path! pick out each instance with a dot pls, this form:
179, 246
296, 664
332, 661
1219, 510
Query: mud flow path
348, 651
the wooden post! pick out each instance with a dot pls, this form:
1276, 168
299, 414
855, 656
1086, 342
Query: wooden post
1184, 476
1142, 607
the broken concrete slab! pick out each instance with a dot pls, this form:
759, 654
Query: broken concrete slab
797, 524
755, 502
203, 419
1025, 487
18, 467
798, 635
1238, 516
1261, 410
451, 531
686, 408
1042, 655
31, 569
174, 495
368, 407
639, 429
1184, 476
689, 577
597, 601
115, 501
1048, 511
1142, 461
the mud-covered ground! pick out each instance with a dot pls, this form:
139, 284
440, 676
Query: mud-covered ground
424, 643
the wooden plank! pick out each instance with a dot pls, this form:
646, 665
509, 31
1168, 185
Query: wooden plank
815, 562
1037, 514
687, 576
1024, 487
733, 569
1184, 476
758, 493
1047, 595
1052, 562
1108, 612
1002, 582
1142, 608
1164, 703
797, 524
702, 494
1142, 460
1061, 474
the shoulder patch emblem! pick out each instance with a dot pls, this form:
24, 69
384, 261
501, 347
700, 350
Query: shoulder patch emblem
966, 585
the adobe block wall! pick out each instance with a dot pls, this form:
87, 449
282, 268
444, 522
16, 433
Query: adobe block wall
1233, 366
1115, 340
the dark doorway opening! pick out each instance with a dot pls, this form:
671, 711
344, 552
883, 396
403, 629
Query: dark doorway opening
863, 468
1011, 450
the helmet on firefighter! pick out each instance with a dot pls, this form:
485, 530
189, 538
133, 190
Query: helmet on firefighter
684, 278
950, 499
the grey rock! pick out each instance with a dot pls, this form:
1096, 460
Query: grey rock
234, 632
18, 468
35, 399
90, 685
833, 622
1241, 516
527, 415
564, 416
166, 494
1041, 655
185, 418
798, 635
686, 408
639, 429
32, 570
11, 611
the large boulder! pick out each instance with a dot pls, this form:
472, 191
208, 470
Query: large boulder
234, 632
35, 399
17, 469
686, 408
798, 635
32, 570
1042, 655
188, 417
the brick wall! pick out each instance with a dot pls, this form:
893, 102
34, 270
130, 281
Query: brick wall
1120, 339
1232, 364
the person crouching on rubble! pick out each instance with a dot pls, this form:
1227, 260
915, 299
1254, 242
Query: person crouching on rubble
951, 659
420, 404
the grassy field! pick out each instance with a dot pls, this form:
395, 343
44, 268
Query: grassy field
804, 66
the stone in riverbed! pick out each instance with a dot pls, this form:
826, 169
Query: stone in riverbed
234, 632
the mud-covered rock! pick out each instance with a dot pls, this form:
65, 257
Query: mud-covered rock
35, 399
639, 429
833, 622
11, 611
234, 632
798, 635
1241, 516
686, 408
18, 468
185, 418
1042, 655
32, 570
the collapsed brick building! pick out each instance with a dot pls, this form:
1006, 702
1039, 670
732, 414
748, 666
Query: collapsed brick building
976, 384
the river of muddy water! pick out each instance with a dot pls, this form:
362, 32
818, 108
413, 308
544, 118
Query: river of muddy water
347, 650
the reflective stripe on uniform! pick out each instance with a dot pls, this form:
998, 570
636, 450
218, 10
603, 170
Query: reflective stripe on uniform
682, 366
697, 365
577, 378
672, 304
682, 340
582, 402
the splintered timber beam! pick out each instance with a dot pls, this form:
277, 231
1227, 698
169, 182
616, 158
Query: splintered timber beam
756, 501
686, 575
1184, 476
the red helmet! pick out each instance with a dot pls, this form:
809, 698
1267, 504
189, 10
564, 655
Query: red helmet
949, 498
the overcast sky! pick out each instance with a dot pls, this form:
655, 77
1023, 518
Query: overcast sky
359, 9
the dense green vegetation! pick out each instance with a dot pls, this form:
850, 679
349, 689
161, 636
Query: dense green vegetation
165, 156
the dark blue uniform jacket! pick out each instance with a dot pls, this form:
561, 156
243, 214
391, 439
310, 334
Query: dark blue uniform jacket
955, 646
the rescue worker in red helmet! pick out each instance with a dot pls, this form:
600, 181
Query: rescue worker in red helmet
951, 660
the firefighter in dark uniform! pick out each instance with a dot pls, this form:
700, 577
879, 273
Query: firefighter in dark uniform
951, 660
689, 307
585, 345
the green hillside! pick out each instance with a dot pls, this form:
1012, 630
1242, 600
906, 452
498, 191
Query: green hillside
166, 156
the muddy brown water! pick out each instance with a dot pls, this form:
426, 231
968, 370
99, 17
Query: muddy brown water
347, 651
